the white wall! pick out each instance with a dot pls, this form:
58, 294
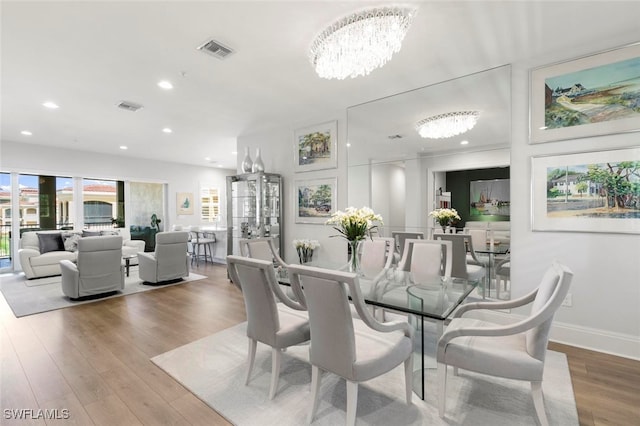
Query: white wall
36, 159
605, 315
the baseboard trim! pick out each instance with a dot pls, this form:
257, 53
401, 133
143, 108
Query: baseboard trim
618, 344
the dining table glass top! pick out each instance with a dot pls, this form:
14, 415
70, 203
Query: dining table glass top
394, 289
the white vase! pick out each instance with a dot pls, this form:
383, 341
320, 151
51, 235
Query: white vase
246, 163
258, 165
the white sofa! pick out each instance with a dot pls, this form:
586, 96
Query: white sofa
37, 265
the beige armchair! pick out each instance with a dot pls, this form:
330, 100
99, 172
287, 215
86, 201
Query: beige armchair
516, 351
169, 262
268, 322
98, 269
356, 349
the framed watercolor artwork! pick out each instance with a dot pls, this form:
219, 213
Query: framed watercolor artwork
315, 200
184, 203
590, 96
315, 147
587, 192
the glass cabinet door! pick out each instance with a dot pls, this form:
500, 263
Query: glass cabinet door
253, 208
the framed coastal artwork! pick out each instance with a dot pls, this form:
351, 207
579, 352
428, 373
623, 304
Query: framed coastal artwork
315, 200
589, 96
315, 147
184, 203
587, 192
489, 198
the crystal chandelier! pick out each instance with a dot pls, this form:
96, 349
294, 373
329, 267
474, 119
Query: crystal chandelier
359, 43
447, 125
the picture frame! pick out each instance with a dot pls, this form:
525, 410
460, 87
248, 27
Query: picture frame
589, 96
315, 147
184, 203
315, 200
490, 197
596, 191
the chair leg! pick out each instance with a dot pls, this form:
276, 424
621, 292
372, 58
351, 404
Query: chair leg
276, 357
538, 402
352, 402
408, 379
442, 386
316, 378
252, 357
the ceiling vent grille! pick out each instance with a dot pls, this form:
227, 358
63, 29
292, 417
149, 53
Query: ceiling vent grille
129, 106
216, 49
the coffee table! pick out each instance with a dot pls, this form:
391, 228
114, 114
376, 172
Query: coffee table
127, 262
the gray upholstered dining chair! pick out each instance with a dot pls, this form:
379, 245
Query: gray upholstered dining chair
169, 261
261, 248
459, 265
516, 351
355, 349
98, 268
400, 237
268, 322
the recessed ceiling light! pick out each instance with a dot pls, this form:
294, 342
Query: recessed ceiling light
207, 158
234, 152
165, 84
123, 147
26, 133
167, 130
220, 165
464, 143
50, 105
348, 145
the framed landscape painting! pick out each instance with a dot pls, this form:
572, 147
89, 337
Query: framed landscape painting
587, 192
315, 147
590, 96
489, 198
315, 200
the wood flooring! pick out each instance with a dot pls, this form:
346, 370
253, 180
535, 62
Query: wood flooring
93, 361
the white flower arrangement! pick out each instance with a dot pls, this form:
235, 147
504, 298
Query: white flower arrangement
305, 249
354, 224
445, 216
307, 244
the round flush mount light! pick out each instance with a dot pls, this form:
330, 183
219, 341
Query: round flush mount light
50, 105
124, 147
166, 85
447, 125
464, 142
167, 130
26, 133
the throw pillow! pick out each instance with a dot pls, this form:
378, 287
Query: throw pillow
50, 242
71, 241
86, 233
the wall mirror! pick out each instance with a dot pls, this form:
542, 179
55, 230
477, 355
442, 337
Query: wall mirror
398, 173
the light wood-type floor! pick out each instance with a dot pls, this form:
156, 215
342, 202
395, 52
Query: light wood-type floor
93, 360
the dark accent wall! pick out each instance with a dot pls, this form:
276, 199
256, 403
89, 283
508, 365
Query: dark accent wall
458, 185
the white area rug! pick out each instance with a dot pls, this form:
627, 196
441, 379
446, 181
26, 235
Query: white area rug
28, 297
213, 368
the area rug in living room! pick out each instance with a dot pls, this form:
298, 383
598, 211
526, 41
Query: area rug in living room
214, 368
28, 297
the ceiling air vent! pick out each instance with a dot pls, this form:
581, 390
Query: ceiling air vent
216, 49
129, 106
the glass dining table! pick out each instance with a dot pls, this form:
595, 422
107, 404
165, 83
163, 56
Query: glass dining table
493, 251
393, 292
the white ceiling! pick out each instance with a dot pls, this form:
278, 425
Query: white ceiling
87, 55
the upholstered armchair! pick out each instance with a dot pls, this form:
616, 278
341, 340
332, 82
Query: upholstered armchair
98, 268
355, 349
516, 351
169, 261
268, 322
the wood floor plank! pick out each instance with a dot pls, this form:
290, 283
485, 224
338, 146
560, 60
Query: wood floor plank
94, 359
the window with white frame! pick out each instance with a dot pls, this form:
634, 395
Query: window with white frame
209, 204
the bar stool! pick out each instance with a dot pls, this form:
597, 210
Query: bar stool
201, 239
